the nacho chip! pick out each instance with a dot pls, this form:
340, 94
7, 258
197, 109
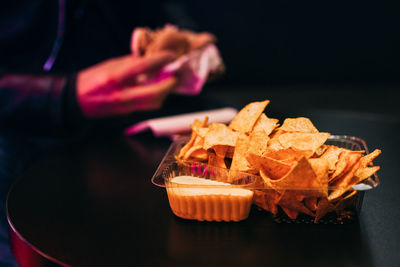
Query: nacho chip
331, 154
216, 161
311, 203
258, 142
196, 124
267, 200
239, 160
293, 200
300, 175
367, 159
301, 124
347, 159
199, 155
292, 214
323, 207
271, 169
273, 143
288, 154
303, 141
363, 173
343, 184
247, 117
321, 168
265, 124
219, 134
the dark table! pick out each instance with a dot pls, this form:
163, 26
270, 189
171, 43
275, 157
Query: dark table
92, 203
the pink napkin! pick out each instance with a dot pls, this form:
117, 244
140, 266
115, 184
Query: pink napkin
172, 125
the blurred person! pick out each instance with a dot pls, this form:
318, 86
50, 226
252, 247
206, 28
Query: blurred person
38, 93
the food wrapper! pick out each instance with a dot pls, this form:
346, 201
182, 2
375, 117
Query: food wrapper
194, 68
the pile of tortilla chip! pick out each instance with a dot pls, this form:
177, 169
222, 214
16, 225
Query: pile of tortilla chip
300, 173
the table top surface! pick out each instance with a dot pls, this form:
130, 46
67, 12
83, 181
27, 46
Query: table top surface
93, 204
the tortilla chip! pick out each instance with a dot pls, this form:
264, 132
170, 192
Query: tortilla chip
367, 159
248, 116
199, 154
271, 169
192, 151
216, 161
300, 124
265, 124
201, 131
291, 201
273, 143
267, 200
347, 159
292, 214
321, 168
311, 203
288, 154
196, 124
219, 134
300, 175
229, 152
343, 184
258, 142
303, 141
239, 160
323, 207
331, 154
363, 173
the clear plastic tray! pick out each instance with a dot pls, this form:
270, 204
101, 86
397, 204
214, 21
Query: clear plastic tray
169, 167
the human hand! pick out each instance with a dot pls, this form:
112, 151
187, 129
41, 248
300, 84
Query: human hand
113, 87
145, 41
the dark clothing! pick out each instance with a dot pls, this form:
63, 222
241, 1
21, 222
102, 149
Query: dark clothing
48, 37
40, 104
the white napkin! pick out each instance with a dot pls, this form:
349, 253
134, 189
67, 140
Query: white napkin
172, 125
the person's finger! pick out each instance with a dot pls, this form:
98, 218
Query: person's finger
131, 66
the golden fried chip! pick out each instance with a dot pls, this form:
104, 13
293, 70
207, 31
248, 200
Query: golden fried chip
311, 203
321, 168
201, 131
271, 169
216, 161
265, 124
300, 176
191, 151
239, 160
323, 207
300, 124
343, 183
303, 141
219, 134
273, 143
367, 159
347, 159
331, 154
196, 124
292, 214
363, 173
258, 142
267, 200
288, 154
247, 117
293, 200
199, 154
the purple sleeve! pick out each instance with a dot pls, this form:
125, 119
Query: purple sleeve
39, 103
